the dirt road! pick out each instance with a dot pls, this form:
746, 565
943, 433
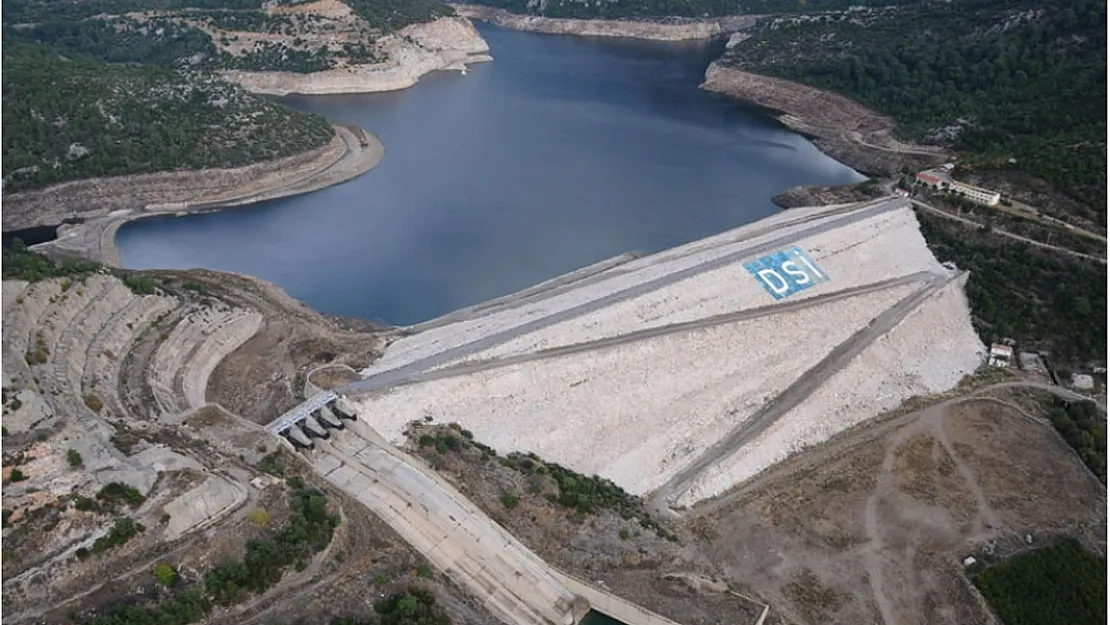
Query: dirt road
975, 224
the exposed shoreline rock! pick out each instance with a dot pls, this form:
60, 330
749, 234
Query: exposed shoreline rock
815, 195
448, 43
663, 29
102, 205
838, 126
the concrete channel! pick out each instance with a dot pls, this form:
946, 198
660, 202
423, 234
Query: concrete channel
515, 584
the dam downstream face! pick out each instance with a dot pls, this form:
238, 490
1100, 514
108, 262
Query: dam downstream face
560, 153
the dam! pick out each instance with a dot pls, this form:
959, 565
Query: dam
680, 374
676, 375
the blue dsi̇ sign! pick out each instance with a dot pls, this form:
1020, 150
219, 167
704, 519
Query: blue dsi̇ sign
786, 272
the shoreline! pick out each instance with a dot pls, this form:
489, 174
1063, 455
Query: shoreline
852, 134
664, 29
94, 239
445, 44
840, 127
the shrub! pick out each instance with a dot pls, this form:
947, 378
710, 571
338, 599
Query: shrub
510, 501
116, 491
5, 516
93, 402
124, 530
1063, 583
84, 504
165, 574
17, 476
259, 517
625, 534
74, 458
416, 606
272, 464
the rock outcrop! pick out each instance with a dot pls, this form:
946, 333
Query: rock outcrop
839, 126
448, 43
662, 29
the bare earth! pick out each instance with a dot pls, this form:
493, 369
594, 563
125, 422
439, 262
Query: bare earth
873, 526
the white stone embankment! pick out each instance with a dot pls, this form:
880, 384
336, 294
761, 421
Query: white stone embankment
892, 238
448, 43
105, 204
643, 412
662, 29
634, 413
929, 352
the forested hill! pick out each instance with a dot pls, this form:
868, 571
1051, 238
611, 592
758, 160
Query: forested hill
286, 35
617, 9
66, 118
1015, 85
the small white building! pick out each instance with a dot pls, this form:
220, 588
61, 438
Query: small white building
978, 195
1001, 355
1082, 381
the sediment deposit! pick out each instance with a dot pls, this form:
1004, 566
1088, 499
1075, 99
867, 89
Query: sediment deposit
662, 29
448, 43
679, 373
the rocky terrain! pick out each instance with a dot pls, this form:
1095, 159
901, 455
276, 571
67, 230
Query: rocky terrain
840, 127
796, 197
661, 29
121, 382
448, 43
868, 527
91, 210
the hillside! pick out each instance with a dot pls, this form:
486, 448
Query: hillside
1012, 87
73, 118
621, 9
289, 36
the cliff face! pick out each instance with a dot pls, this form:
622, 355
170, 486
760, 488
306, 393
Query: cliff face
839, 126
449, 43
664, 29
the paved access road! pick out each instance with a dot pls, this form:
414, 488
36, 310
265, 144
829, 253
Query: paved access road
459, 539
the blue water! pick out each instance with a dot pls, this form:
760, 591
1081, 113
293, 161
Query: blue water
562, 152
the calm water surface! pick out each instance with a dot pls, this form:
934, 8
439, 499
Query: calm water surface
562, 152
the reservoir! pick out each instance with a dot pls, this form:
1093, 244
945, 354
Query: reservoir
560, 153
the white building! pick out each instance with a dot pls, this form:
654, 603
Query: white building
978, 195
1001, 355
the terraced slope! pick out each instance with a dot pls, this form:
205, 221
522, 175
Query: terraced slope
108, 380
